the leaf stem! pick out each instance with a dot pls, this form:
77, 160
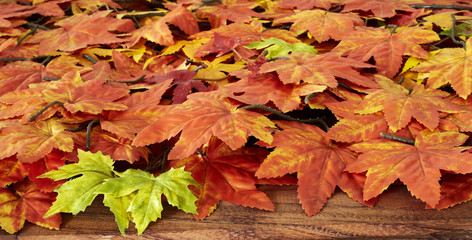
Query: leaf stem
11, 59
131, 81
34, 116
89, 132
90, 58
397, 138
309, 96
435, 6
453, 32
318, 121
214, 80
30, 32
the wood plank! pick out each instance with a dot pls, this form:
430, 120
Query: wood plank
396, 215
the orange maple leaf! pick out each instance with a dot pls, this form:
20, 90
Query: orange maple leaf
358, 128
306, 4
418, 166
319, 164
30, 142
263, 88
80, 31
225, 174
19, 75
142, 110
322, 25
25, 202
450, 66
319, 69
386, 47
380, 8
91, 97
234, 10
155, 29
199, 118
399, 105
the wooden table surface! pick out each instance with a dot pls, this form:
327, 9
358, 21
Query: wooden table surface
397, 215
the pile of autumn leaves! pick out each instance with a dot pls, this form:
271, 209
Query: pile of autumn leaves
178, 90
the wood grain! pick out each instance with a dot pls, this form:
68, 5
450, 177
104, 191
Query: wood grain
397, 215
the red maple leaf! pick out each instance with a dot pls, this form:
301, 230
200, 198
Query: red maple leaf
11, 171
51, 161
225, 174
25, 202
183, 80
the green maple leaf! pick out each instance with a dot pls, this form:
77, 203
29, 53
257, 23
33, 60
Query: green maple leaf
146, 205
119, 207
76, 194
278, 47
133, 195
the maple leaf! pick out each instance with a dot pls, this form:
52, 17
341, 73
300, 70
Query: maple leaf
417, 166
319, 163
80, 31
118, 148
455, 189
318, 69
358, 128
450, 66
11, 11
380, 8
33, 141
267, 87
19, 75
76, 194
322, 25
234, 10
225, 174
307, 4
386, 47
183, 80
218, 69
142, 110
246, 32
11, 171
51, 161
278, 47
155, 29
119, 206
399, 105
204, 115
146, 205
91, 97
25, 202
221, 46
